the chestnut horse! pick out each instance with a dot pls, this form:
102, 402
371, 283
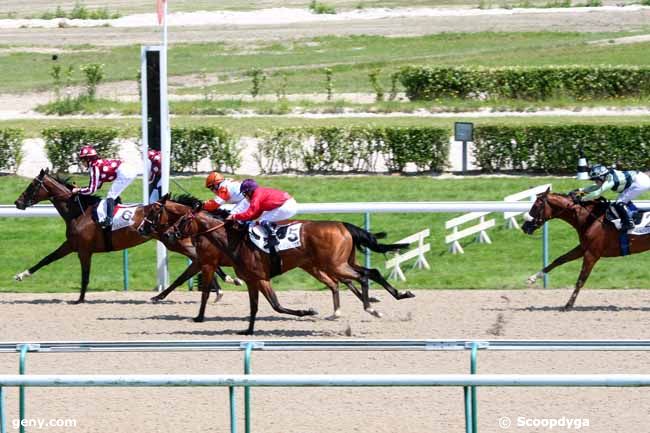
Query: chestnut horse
598, 238
166, 212
84, 236
326, 252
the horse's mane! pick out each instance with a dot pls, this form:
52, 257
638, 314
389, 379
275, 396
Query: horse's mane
186, 199
86, 200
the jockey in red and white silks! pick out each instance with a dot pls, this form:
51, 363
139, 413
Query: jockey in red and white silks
226, 191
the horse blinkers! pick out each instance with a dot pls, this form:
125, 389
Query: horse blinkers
532, 223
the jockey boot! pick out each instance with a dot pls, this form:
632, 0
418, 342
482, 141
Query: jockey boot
110, 207
626, 221
270, 231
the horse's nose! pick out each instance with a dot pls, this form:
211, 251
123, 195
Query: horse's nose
19, 205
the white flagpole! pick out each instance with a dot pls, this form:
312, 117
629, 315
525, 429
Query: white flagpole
165, 149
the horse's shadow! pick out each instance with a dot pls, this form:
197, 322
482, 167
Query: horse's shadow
576, 309
177, 317
258, 333
95, 302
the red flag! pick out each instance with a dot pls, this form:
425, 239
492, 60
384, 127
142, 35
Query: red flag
160, 7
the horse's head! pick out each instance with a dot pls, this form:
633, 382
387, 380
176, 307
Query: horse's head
155, 217
184, 227
546, 207
35, 192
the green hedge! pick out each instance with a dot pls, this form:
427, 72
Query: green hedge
352, 149
62, 144
528, 83
191, 145
555, 149
11, 151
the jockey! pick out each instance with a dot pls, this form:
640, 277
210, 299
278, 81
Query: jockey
105, 170
226, 191
629, 184
269, 205
154, 163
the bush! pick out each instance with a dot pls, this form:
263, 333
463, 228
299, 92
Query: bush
62, 144
555, 149
191, 145
11, 152
352, 149
537, 83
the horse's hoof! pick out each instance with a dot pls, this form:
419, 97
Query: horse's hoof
21, 276
197, 319
374, 312
77, 302
237, 282
407, 294
218, 297
156, 299
246, 332
337, 314
311, 312
374, 299
567, 307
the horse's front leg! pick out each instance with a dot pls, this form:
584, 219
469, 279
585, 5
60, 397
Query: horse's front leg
574, 254
192, 269
253, 301
587, 265
207, 272
63, 250
85, 261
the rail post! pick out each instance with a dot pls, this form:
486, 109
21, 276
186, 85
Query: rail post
472, 370
3, 428
545, 251
366, 226
233, 414
468, 410
21, 370
247, 390
190, 282
125, 268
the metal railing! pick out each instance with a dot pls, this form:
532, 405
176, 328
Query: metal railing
469, 382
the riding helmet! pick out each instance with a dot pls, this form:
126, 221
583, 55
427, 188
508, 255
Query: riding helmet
248, 186
213, 180
598, 171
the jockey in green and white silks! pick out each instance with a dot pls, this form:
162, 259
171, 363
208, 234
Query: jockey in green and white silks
629, 185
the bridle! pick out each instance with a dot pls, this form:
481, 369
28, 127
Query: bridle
539, 220
35, 187
153, 222
180, 226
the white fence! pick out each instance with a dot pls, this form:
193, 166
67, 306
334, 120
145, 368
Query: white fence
396, 272
480, 228
529, 194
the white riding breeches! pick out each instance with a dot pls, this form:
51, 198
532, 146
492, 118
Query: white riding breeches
286, 211
125, 175
641, 184
240, 207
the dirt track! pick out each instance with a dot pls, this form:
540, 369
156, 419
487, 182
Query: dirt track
622, 314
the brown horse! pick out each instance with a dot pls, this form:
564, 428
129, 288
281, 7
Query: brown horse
598, 238
160, 216
326, 252
84, 236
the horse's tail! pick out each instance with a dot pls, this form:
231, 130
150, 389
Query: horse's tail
363, 238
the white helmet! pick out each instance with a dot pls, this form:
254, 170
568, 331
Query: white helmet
598, 171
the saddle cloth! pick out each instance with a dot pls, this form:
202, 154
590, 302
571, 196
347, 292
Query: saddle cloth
288, 236
640, 218
122, 215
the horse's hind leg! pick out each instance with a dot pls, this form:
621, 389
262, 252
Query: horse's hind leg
331, 284
264, 286
63, 250
587, 265
346, 272
206, 278
574, 254
376, 276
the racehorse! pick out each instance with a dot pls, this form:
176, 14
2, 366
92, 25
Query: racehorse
84, 236
166, 212
598, 238
163, 214
326, 252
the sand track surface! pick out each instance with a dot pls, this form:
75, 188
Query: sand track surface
600, 314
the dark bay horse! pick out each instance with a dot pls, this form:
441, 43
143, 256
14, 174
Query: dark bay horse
159, 217
326, 252
84, 236
598, 238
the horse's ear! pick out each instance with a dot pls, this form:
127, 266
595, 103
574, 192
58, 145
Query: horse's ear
548, 190
197, 206
164, 198
47, 170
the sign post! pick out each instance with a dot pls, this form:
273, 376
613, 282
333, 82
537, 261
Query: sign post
464, 131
